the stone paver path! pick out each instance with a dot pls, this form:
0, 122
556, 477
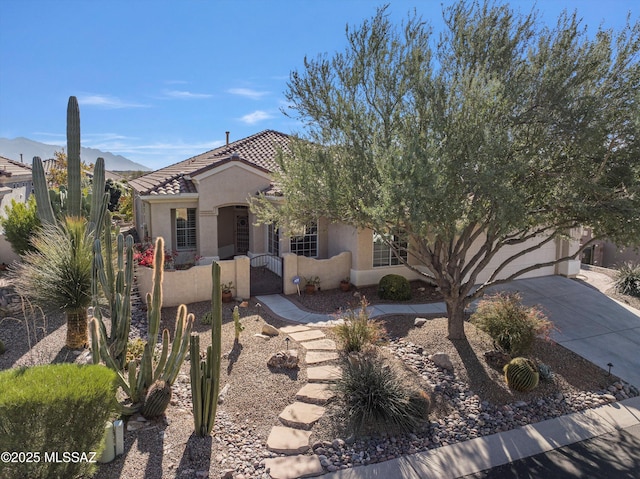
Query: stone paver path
298, 418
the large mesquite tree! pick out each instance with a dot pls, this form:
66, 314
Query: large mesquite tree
499, 136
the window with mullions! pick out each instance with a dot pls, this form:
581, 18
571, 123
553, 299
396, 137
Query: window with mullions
185, 228
382, 253
273, 238
306, 245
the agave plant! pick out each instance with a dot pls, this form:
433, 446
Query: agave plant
57, 276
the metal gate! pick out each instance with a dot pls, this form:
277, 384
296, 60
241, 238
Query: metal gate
266, 275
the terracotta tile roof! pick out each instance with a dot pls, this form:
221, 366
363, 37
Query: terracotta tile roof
10, 167
258, 150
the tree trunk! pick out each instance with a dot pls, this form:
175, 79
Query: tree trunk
455, 315
77, 332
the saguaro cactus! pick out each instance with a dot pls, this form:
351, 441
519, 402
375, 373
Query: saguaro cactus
205, 374
74, 199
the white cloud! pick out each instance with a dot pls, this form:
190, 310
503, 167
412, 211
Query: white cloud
110, 102
185, 94
248, 93
255, 117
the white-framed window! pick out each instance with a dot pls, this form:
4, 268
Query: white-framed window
273, 239
185, 228
306, 245
383, 255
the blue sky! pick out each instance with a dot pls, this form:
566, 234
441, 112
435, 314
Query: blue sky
161, 81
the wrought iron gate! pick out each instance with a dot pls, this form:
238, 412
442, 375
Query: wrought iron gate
266, 274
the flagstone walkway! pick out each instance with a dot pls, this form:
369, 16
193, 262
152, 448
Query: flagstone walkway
292, 437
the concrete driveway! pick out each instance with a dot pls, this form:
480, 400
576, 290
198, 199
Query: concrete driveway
589, 323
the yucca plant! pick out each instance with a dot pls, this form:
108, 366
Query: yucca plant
57, 276
628, 279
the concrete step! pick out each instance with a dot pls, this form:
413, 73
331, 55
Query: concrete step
320, 345
294, 467
307, 335
314, 357
323, 374
301, 415
315, 393
286, 440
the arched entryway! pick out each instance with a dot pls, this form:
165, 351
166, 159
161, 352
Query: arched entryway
234, 231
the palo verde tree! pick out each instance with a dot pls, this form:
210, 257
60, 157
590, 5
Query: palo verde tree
486, 143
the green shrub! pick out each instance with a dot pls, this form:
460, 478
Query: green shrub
521, 374
394, 287
20, 223
207, 318
59, 408
512, 326
376, 396
357, 331
628, 279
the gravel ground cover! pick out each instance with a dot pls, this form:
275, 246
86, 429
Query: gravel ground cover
470, 401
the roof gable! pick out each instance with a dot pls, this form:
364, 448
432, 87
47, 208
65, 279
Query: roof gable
258, 151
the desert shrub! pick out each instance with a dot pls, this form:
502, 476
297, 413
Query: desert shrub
628, 279
358, 330
512, 326
521, 374
207, 318
20, 222
59, 408
376, 396
394, 287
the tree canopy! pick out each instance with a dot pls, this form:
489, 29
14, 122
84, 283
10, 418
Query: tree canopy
499, 132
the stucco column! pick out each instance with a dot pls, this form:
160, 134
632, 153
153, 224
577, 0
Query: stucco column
208, 232
243, 276
289, 271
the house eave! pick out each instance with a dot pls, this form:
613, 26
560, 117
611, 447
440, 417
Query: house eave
181, 198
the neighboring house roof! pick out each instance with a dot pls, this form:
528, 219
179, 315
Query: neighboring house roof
258, 151
10, 168
52, 163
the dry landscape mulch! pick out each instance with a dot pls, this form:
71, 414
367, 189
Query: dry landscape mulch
167, 447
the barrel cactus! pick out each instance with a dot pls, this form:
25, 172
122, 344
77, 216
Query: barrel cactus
157, 399
521, 374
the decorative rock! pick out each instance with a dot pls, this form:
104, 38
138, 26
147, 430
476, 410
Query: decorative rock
419, 322
441, 360
244, 304
223, 394
262, 336
269, 330
284, 359
227, 474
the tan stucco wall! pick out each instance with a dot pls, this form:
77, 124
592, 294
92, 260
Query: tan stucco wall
229, 185
194, 284
330, 271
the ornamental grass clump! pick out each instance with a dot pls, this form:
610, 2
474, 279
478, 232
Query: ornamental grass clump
628, 279
358, 331
512, 326
376, 396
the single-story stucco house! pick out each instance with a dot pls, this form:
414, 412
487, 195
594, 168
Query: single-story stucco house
201, 207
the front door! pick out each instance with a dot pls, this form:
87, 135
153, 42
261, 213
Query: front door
242, 235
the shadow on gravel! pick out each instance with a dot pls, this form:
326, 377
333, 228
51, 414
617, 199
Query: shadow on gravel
196, 457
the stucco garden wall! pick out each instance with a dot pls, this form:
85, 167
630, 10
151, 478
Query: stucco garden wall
330, 271
194, 284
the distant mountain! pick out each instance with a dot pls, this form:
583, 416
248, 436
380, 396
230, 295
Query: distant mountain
12, 148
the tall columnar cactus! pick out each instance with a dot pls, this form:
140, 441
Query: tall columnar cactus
237, 324
74, 200
205, 374
116, 286
167, 367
